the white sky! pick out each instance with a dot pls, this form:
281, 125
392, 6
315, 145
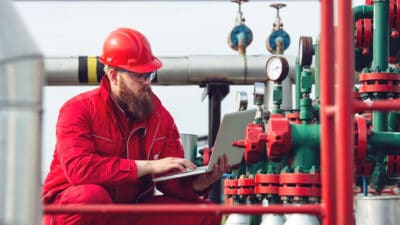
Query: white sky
173, 29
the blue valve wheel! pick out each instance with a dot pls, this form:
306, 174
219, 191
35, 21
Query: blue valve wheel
237, 33
274, 38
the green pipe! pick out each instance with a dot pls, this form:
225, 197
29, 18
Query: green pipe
277, 99
381, 35
363, 11
393, 121
297, 86
305, 135
305, 159
305, 144
379, 121
378, 177
380, 63
384, 140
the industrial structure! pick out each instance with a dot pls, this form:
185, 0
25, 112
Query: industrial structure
329, 157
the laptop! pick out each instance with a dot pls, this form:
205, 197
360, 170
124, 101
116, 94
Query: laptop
232, 128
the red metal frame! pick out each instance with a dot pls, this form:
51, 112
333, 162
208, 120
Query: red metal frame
172, 209
344, 129
328, 193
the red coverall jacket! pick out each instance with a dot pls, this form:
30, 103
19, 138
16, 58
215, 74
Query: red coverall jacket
95, 145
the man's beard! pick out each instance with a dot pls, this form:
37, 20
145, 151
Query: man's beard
138, 106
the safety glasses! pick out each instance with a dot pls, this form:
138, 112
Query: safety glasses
139, 76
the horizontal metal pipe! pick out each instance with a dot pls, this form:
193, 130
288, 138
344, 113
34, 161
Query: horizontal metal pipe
379, 105
183, 70
385, 140
172, 209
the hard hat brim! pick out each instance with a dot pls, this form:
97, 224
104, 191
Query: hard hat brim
151, 66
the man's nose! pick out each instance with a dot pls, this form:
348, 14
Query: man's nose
147, 82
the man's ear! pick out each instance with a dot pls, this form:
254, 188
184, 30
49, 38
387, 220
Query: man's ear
112, 76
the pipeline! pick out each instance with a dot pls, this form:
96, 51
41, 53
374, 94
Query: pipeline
22, 79
183, 70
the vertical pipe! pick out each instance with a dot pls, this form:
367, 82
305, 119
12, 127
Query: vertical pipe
297, 85
381, 52
21, 82
216, 92
381, 35
344, 123
316, 70
328, 192
380, 63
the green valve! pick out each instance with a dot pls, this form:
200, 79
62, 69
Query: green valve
305, 81
277, 94
306, 112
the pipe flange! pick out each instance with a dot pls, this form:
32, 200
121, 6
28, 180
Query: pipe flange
360, 140
245, 186
230, 187
379, 82
266, 184
363, 33
300, 184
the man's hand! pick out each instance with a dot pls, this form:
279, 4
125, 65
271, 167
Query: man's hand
203, 181
146, 167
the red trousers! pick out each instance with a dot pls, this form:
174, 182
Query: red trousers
95, 194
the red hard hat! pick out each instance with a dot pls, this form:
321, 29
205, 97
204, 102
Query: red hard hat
129, 49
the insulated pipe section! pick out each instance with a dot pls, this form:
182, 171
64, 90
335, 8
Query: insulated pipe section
22, 79
184, 70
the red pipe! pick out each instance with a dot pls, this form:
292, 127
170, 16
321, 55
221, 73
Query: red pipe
328, 193
344, 131
168, 209
383, 105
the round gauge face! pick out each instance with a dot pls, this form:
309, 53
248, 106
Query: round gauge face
277, 68
274, 68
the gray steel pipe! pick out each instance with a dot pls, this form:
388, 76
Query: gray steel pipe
377, 210
22, 79
183, 70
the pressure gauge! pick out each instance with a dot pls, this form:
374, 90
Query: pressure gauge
277, 68
306, 51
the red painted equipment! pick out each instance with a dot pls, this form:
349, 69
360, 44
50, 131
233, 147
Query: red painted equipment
278, 133
360, 135
379, 82
363, 33
300, 184
266, 184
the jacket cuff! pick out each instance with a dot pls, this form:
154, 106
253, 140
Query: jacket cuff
129, 166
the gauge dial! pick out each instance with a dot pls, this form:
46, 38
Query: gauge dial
277, 68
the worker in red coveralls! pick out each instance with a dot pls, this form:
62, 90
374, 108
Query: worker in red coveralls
113, 139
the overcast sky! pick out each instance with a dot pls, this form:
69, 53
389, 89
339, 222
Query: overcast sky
173, 29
